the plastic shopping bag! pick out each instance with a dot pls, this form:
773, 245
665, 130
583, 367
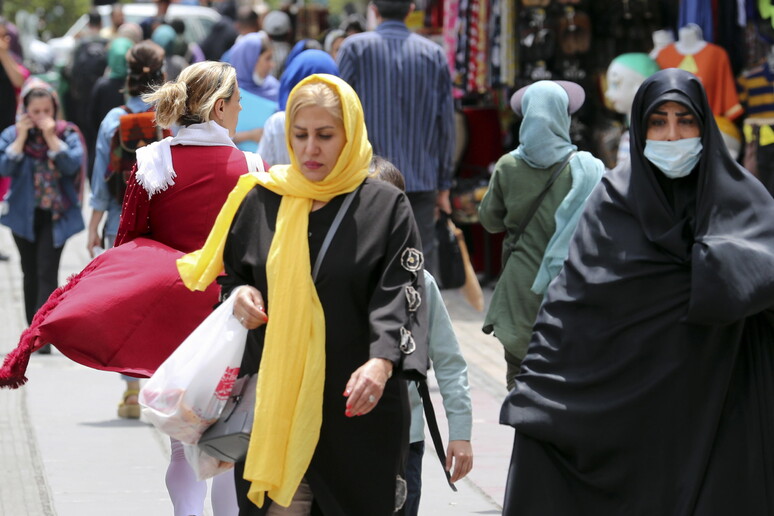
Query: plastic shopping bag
188, 391
204, 465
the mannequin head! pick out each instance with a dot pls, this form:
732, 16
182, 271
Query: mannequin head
624, 76
690, 39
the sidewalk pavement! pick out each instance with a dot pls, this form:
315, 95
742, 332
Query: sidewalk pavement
65, 453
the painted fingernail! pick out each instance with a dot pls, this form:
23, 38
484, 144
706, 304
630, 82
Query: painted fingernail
348, 413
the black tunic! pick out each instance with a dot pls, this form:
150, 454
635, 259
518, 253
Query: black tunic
648, 387
361, 285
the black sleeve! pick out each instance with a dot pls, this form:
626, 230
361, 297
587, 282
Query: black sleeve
397, 314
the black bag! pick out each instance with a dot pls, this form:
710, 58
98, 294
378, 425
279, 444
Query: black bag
228, 438
451, 266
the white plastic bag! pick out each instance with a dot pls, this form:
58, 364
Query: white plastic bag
187, 392
205, 466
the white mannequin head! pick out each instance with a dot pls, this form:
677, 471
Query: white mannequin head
624, 76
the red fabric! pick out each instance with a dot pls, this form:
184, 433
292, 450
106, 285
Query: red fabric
5, 184
128, 309
183, 215
126, 312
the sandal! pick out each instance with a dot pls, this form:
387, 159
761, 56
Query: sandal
129, 410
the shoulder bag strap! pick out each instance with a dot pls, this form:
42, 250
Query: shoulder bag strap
432, 425
538, 200
332, 231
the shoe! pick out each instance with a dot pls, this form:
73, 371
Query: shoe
45, 350
129, 410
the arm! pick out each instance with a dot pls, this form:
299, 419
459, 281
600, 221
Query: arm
446, 133
346, 62
135, 212
10, 66
251, 135
451, 372
12, 147
249, 305
100, 196
68, 154
393, 321
492, 211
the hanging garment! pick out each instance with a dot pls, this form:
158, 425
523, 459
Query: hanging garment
711, 65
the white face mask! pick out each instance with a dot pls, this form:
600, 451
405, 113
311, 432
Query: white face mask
257, 79
675, 159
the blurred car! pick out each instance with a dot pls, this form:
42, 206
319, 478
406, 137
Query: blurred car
198, 21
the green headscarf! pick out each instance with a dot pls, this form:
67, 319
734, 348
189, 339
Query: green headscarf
116, 57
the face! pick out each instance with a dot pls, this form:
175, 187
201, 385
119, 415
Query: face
40, 108
231, 109
265, 63
622, 84
335, 47
672, 121
317, 138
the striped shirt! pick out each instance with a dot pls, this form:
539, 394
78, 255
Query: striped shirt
756, 92
403, 82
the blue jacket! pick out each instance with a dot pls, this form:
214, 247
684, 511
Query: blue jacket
21, 199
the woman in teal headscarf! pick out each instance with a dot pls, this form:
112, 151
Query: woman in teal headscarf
533, 253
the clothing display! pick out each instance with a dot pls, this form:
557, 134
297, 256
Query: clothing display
646, 380
712, 66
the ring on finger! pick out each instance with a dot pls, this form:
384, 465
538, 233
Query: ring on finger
242, 320
371, 399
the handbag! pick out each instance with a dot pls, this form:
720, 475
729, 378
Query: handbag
451, 266
228, 438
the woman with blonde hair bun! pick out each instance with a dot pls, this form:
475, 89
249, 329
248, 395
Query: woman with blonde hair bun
172, 198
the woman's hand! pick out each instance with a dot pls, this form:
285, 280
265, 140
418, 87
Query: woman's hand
249, 308
93, 241
459, 454
366, 385
23, 126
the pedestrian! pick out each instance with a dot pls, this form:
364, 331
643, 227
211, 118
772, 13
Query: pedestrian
537, 236
647, 382
451, 373
108, 91
171, 202
333, 41
45, 159
333, 418
278, 27
403, 80
252, 56
273, 145
12, 76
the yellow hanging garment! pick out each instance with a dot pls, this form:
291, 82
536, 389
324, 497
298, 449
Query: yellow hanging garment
288, 411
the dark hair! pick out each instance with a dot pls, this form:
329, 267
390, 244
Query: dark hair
384, 170
178, 25
145, 62
354, 23
393, 9
39, 93
95, 20
246, 15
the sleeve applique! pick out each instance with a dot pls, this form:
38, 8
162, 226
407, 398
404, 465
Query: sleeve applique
407, 344
413, 298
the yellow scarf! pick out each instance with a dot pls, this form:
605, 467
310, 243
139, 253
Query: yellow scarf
288, 410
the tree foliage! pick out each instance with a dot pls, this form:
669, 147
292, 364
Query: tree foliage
56, 15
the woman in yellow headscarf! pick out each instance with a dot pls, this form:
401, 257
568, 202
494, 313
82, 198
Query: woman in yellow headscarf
332, 414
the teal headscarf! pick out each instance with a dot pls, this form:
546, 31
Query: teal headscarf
164, 36
544, 136
116, 58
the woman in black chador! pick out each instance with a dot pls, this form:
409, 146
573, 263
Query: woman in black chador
648, 387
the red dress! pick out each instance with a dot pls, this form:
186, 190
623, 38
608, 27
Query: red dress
128, 309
